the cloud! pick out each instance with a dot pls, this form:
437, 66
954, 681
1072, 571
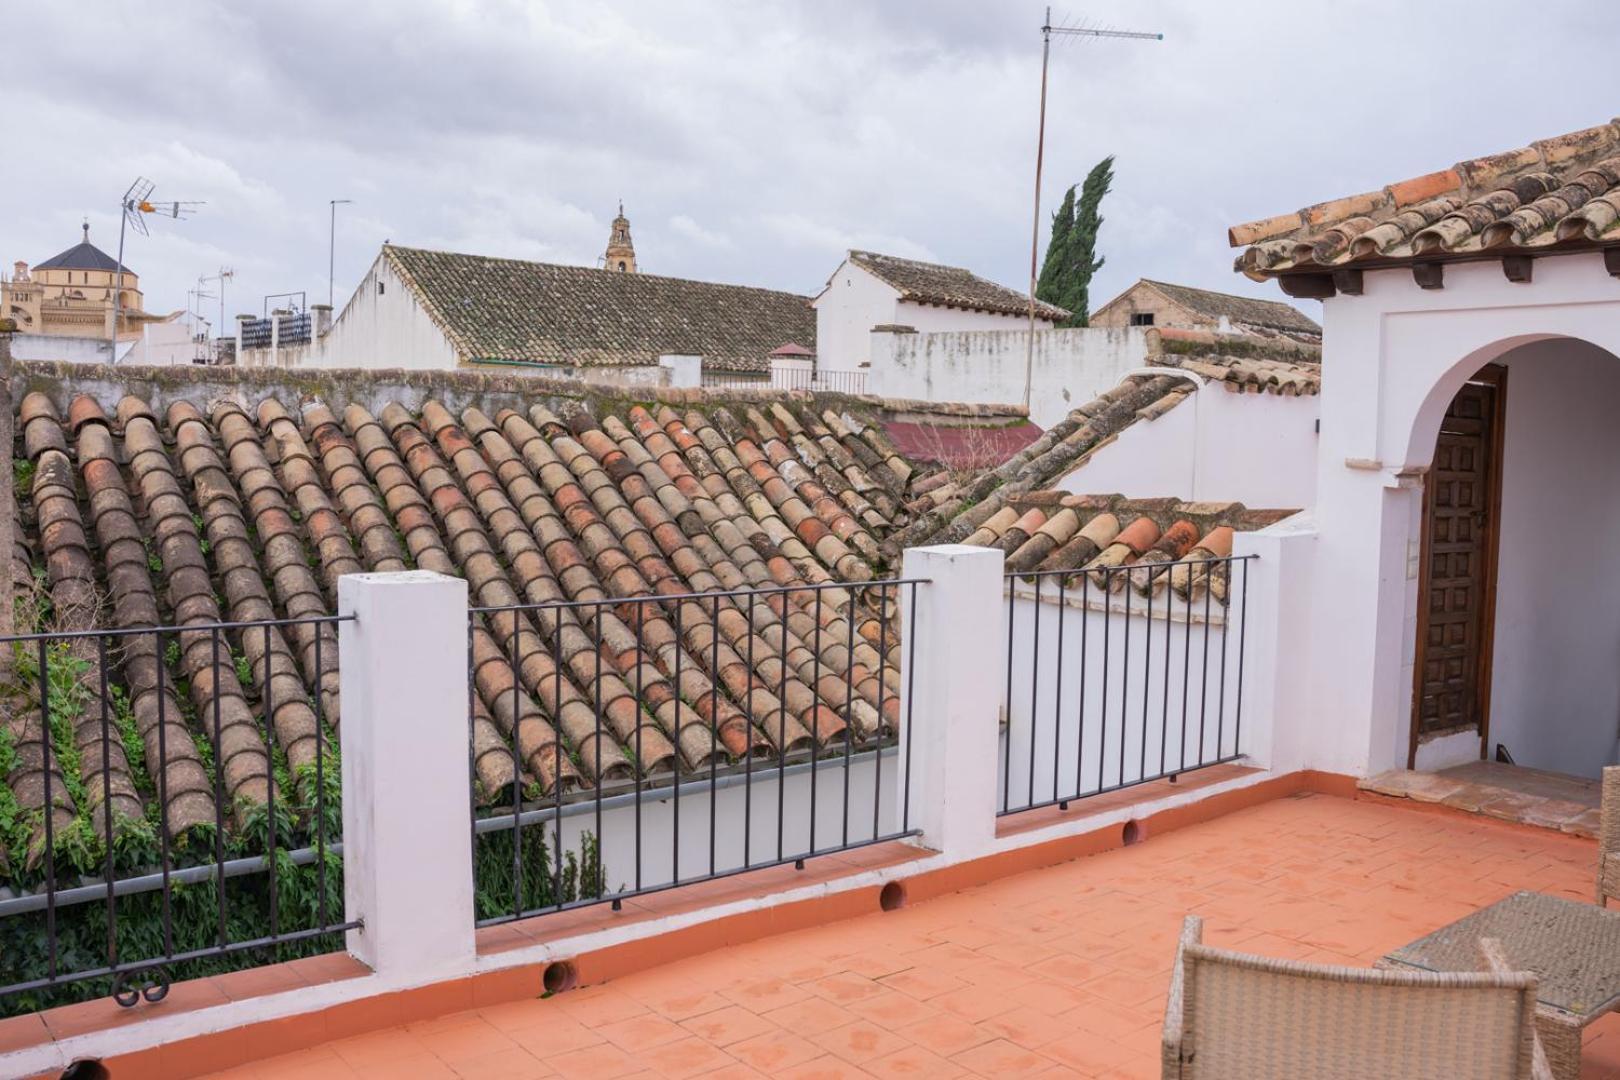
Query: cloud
750, 144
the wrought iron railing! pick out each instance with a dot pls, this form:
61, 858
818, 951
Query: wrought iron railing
171, 808
765, 729
1119, 676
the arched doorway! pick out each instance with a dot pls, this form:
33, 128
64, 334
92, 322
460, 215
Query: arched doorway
1516, 600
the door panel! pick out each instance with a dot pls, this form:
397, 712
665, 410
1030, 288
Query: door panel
1457, 586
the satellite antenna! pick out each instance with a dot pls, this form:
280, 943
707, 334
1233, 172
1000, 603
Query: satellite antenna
1047, 30
132, 210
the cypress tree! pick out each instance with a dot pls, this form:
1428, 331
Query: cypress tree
1051, 282
1083, 260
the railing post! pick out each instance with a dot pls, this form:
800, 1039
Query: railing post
955, 658
406, 845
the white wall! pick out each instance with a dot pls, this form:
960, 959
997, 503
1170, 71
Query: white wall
1218, 446
852, 303
1070, 366
1393, 358
386, 330
1092, 695
1555, 691
73, 350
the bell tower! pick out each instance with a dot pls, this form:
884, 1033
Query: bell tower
621, 252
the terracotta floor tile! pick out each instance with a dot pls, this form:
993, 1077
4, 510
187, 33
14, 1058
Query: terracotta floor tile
774, 1051
811, 1016
914, 1061
945, 1035
602, 1060
729, 1025
1059, 972
638, 1033
826, 1067
860, 1041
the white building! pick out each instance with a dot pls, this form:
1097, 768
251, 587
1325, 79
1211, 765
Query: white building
1450, 595
437, 311
870, 291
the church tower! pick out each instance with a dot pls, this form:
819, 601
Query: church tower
621, 253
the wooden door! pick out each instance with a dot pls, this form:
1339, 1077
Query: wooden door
1457, 583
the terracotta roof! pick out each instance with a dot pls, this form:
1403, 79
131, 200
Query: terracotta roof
950, 286
948, 509
792, 349
251, 509
512, 310
1241, 364
1056, 531
1554, 195
1245, 313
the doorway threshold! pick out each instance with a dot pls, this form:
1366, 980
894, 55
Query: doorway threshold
1524, 796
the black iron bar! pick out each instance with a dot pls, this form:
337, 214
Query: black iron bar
1147, 676
1220, 708
680, 753
1203, 681
163, 796
1108, 635
663, 598
877, 739
1124, 676
557, 776
1085, 662
815, 720
714, 721
219, 787
911, 700
115, 632
1186, 668
641, 768
106, 797
320, 784
517, 769
596, 697
849, 703
1007, 708
1169, 621
1034, 686
748, 747
47, 737
1057, 693
1243, 632
266, 697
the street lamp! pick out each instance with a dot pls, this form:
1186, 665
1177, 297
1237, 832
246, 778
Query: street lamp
331, 253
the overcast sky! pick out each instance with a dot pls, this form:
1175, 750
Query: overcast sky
751, 142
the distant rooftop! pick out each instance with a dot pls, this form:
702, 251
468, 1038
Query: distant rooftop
512, 309
82, 256
950, 286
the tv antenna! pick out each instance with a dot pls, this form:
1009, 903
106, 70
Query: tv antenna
1047, 31
132, 210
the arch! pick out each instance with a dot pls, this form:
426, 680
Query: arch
1425, 427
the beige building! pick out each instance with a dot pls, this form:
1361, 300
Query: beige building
72, 295
1181, 307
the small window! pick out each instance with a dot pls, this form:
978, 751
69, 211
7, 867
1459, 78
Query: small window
621, 264
1142, 318
380, 288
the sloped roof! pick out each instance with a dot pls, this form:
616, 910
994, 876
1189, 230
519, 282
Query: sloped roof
1554, 195
251, 509
513, 310
82, 256
948, 510
1242, 312
950, 286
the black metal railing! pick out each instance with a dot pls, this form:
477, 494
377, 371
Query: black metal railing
764, 728
1119, 676
170, 808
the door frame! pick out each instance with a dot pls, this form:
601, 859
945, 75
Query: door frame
1495, 375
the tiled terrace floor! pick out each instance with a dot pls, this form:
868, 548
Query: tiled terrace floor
1058, 972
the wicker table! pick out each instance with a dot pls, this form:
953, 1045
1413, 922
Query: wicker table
1573, 948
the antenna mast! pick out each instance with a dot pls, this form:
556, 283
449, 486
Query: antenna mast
1047, 30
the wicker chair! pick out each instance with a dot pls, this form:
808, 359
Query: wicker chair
1608, 871
1237, 1017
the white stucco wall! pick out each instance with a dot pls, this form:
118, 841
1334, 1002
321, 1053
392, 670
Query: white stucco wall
384, 330
1257, 449
1393, 358
1070, 366
1555, 688
854, 301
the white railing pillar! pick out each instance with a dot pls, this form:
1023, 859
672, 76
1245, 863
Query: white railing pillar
407, 856
957, 644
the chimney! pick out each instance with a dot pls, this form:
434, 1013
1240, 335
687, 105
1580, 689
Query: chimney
322, 320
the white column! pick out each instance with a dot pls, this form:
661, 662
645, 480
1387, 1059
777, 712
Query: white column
407, 851
959, 647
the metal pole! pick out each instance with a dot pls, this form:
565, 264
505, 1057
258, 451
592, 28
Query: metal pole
1035, 228
118, 284
331, 253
